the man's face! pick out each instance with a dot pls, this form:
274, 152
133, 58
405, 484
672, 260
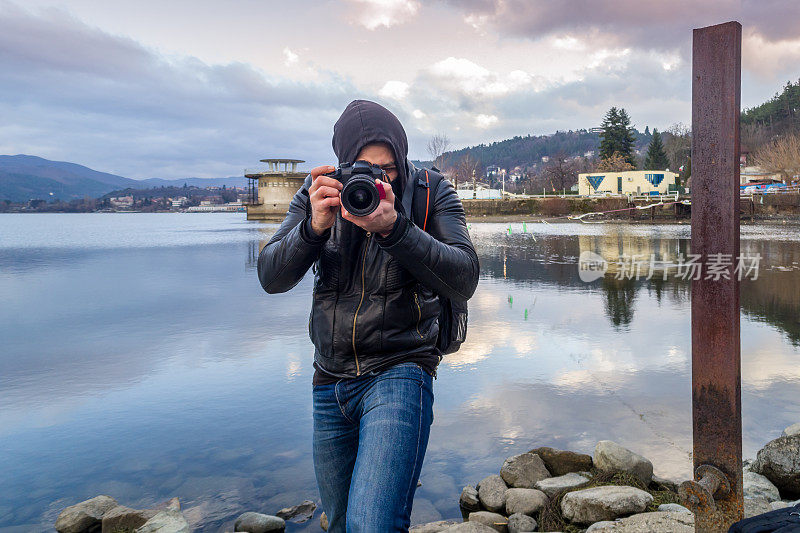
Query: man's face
379, 154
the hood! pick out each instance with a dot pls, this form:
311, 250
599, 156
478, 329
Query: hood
364, 122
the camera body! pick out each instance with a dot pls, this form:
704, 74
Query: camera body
360, 195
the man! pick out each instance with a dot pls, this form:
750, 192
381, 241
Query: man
374, 318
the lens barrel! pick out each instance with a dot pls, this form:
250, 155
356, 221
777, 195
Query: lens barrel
360, 195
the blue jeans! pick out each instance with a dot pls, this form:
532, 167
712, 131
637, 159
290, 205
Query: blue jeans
370, 436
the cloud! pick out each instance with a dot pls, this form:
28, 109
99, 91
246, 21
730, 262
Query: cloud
73, 92
373, 14
289, 57
396, 90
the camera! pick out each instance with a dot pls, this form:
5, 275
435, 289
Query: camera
360, 195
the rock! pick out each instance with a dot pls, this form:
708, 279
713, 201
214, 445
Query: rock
756, 506
780, 505
524, 501
470, 527
170, 520
658, 522
469, 499
611, 457
568, 481
779, 461
492, 493
609, 502
85, 515
668, 484
495, 521
673, 508
323, 521
794, 429
560, 462
524, 470
433, 527
519, 523
757, 486
261, 523
125, 519
597, 526
298, 513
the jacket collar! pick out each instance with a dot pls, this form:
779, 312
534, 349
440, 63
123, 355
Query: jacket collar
408, 189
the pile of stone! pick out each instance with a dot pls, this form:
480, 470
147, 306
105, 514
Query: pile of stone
104, 514
772, 481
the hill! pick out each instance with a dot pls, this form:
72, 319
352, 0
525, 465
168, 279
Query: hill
26, 177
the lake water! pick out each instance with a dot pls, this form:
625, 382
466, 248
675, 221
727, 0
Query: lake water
140, 358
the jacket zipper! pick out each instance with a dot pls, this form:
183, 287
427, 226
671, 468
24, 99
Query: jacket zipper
363, 262
419, 313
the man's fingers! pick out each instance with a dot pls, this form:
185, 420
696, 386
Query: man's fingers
330, 201
324, 169
325, 181
325, 191
387, 189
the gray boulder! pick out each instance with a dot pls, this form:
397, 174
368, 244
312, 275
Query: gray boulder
673, 508
523, 471
609, 502
298, 513
433, 527
492, 493
657, 522
260, 523
524, 501
756, 506
519, 523
757, 486
560, 462
779, 461
495, 521
780, 505
85, 515
469, 499
568, 481
794, 429
611, 457
122, 518
170, 520
323, 521
470, 527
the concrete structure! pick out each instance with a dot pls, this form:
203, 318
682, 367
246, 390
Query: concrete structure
631, 182
270, 191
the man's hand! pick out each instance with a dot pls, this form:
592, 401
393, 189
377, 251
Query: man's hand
324, 196
382, 219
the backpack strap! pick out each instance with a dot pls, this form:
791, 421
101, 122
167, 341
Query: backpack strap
429, 180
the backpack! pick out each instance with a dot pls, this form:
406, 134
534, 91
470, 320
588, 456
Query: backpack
453, 314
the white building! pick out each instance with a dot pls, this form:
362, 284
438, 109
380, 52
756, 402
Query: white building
633, 182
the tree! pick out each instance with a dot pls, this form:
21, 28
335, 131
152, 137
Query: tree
437, 146
560, 173
615, 163
782, 156
617, 136
647, 131
466, 169
656, 156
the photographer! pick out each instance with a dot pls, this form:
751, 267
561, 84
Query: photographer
379, 284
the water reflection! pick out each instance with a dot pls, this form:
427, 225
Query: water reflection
154, 365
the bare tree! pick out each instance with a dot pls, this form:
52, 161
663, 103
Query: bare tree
781, 156
615, 163
466, 169
560, 172
437, 147
678, 145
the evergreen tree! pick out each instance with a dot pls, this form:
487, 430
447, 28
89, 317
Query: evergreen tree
647, 131
617, 136
656, 156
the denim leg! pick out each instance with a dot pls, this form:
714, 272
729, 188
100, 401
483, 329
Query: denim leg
396, 412
335, 445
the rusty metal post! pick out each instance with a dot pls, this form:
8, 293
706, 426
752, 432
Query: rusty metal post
716, 365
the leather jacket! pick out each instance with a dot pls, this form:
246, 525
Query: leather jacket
375, 299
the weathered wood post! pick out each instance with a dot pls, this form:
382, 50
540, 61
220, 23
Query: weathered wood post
716, 493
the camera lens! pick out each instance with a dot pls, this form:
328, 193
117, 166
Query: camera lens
360, 196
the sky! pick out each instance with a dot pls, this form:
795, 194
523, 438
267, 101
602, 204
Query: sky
198, 88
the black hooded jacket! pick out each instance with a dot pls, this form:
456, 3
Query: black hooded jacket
375, 299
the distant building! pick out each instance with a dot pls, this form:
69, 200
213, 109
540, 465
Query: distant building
122, 201
270, 191
757, 174
480, 193
628, 182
